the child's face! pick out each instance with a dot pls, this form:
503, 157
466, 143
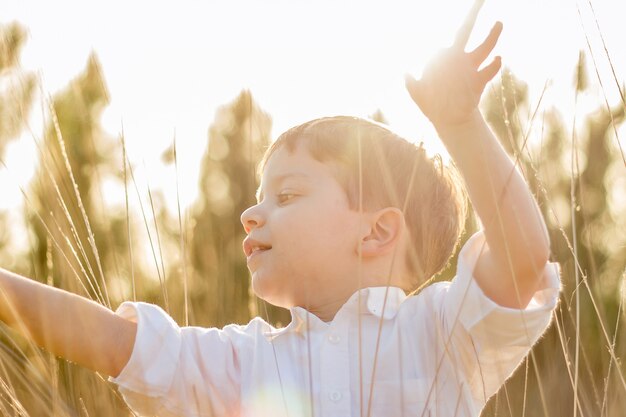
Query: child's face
302, 244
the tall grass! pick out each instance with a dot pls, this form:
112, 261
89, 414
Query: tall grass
575, 370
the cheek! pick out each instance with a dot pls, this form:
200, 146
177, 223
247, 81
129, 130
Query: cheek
328, 233
310, 232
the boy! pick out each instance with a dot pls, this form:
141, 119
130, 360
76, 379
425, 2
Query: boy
349, 217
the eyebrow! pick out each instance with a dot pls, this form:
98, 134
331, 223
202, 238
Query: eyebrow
279, 179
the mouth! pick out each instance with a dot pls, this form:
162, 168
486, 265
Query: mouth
252, 247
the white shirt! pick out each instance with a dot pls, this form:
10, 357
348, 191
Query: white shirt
443, 352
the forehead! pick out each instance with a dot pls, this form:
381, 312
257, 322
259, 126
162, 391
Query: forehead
286, 163
295, 164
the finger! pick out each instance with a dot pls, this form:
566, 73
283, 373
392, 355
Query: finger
468, 25
486, 74
414, 87
478, 55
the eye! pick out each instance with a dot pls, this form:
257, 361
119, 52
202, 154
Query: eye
285, 196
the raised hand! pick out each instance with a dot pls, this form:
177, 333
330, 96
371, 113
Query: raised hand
450, 88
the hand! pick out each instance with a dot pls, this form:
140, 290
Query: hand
450, 88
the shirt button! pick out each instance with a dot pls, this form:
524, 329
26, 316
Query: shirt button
335, 396
334, 339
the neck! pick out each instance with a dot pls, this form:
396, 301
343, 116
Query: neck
326, 312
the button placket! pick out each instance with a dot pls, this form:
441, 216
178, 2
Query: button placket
335, 370
335, 396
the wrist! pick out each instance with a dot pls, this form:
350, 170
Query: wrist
450, 133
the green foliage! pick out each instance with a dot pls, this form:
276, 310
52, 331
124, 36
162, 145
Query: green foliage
581, 80
228, 181
568, 169
12, 39
65, 219
72, 246
16, 99
81, 244
379, 117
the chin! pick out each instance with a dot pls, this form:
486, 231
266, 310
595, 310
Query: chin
269, 291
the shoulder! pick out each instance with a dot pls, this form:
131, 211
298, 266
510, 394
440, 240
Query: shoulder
428, 296
254, 329
152, 319
425, 306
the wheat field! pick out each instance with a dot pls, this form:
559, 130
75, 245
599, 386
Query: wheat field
68, 233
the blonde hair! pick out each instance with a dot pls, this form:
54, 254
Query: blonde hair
379, 169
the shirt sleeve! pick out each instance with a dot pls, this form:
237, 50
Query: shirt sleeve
177, 371
492, 340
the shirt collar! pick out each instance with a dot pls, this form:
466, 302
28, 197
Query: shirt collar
381, 302
372, 302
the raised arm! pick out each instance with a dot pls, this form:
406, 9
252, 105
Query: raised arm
66, 324
510, 266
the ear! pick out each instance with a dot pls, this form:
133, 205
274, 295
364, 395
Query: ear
386, 228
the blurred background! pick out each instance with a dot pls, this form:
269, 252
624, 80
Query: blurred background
130, 134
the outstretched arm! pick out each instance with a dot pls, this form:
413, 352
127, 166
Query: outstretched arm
66, 324
510, 266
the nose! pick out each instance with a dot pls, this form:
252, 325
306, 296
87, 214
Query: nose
252, 218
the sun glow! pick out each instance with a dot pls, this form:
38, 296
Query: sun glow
168, 68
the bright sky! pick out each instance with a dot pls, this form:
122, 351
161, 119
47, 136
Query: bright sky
170, 65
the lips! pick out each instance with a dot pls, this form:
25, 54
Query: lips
253, 246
